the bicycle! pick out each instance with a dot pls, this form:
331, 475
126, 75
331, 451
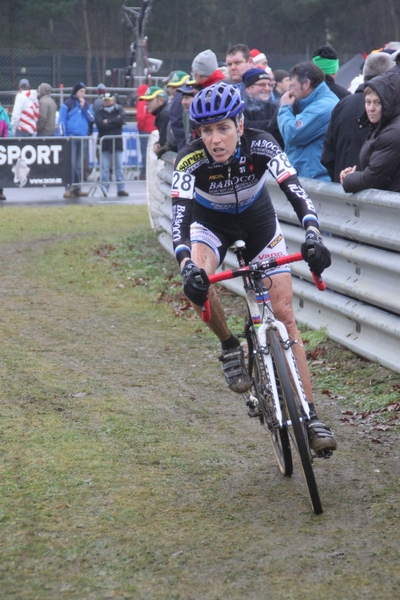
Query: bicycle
277, 396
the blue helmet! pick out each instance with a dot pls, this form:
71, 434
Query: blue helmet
215, 103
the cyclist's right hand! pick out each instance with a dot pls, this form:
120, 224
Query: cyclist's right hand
195, 283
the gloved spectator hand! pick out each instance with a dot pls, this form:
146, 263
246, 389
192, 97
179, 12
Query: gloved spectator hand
195, 283
162, 150
315, 253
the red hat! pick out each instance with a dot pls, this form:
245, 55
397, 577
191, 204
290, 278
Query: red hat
257, 56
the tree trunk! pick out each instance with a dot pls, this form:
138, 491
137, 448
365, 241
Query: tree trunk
88, 44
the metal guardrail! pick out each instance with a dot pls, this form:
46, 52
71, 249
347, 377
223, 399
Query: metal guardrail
361, 307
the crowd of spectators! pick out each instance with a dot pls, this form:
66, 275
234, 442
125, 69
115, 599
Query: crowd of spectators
328, 133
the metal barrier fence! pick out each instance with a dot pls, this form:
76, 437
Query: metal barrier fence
361, 307
73, 161
116, 166
126, 95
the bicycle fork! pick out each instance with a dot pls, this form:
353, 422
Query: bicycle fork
262, 321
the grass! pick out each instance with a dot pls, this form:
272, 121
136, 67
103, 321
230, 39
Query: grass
127, 470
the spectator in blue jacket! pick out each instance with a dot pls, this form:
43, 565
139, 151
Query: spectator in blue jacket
5, 131
76, 119
303, 133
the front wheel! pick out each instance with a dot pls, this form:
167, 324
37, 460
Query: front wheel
261, 391
298, 423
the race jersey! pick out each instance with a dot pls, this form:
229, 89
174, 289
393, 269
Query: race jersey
232, 188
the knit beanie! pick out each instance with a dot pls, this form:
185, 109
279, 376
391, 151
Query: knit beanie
78, 86
205, 63
101, 89
325, 57
251, 76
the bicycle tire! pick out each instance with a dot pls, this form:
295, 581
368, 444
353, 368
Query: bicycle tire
279, 434
298, 425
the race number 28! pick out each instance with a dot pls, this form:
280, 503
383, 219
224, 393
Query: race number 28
280, 167
182, 185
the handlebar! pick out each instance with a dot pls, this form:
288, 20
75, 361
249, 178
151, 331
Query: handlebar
254, 268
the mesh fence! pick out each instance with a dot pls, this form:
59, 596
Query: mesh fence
67, 66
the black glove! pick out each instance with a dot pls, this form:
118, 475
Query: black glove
162, 150
315, 253
195, 283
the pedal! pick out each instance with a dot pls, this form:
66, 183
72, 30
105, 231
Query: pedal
253, 406
324, 454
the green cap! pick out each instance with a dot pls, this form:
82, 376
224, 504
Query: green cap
152, 92
178, 78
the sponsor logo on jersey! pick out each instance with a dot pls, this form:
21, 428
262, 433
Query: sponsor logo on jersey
275, 241
219, 176
238, 181
191, 161
264, 147
301, 193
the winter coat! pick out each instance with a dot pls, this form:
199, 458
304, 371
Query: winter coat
162, 122
110, 122
303, 134
337, 89
46, 124
25, 113
75, 120
257, 113
176, 120
344, 136
5, 123
144, 118
215, 77
379, 160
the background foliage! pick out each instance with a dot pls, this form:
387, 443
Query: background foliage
274, 26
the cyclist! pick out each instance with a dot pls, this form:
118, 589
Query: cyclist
219, 196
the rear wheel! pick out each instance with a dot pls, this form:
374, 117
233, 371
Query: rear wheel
261, 391
298, 428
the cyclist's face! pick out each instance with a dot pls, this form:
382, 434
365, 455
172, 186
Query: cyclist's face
221, 138
373, 107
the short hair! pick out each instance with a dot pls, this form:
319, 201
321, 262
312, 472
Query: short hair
280, 74
376, 64
308, 70
368, 90
243, 48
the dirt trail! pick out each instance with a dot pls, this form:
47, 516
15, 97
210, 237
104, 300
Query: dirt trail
229, 525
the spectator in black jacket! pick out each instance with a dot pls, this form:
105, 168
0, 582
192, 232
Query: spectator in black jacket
109, 119
157, 104
326, 58
345, 134
257, 98
175, 110
282, 83
378, 164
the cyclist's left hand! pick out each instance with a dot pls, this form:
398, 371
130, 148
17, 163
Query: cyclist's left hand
315, 253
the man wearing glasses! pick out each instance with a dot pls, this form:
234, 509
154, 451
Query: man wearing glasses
259, 108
